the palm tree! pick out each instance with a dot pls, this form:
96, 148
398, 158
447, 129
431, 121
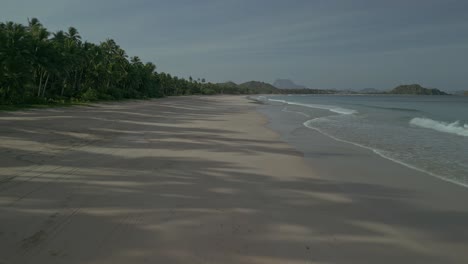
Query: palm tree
42, 58
35, 63
16, 69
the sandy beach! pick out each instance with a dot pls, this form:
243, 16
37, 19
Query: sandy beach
211, 180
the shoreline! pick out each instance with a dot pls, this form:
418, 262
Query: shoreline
310, 117
319, 113
378, 152
211, 179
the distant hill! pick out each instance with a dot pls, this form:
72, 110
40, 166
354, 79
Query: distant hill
256, 87
229, 84
252, 87
287, 84
465, 93
416, 89
229, 88
259, 87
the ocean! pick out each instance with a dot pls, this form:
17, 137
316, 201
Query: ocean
425, 133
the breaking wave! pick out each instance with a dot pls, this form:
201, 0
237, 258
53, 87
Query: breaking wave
331, 108
456, 128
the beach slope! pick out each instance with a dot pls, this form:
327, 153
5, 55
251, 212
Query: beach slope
201, 180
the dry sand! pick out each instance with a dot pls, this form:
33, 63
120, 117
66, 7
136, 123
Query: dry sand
203, 180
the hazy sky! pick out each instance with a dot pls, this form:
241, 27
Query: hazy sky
321, 44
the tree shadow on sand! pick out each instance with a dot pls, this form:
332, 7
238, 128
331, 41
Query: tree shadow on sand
111, 199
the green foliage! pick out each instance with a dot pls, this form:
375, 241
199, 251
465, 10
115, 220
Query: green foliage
208, 91
90, 95
416, 89
37, 66
254, 87
42, 67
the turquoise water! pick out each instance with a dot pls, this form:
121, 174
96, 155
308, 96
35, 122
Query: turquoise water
426, 133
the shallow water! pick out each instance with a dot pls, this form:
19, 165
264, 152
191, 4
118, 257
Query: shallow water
426, 133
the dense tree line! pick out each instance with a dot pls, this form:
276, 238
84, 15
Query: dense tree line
37, 66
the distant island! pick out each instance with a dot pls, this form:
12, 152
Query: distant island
287, 84
416, 89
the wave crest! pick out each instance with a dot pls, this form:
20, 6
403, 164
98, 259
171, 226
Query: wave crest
453, 128
330, 108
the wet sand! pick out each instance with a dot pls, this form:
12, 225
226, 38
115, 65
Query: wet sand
206, 180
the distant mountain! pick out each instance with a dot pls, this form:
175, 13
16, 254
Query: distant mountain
416, 89
287, 84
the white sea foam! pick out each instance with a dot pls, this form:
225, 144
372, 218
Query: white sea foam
285, 109
453, 128
381, 153
331, 108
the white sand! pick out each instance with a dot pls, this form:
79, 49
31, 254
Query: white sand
194, 180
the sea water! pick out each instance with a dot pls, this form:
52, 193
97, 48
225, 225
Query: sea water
425, 133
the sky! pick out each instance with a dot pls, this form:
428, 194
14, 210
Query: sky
329, 44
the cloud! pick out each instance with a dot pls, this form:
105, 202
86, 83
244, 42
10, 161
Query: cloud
319, 43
